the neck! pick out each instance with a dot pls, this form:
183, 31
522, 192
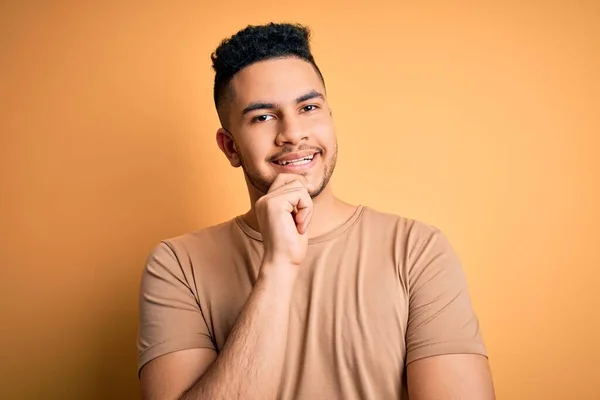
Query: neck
328, 213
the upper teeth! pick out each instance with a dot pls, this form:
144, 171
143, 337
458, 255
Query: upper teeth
307, 158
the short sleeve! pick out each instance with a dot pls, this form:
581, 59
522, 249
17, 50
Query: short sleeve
441, 316
170, 318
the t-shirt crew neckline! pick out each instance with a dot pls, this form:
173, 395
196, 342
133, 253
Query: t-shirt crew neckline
332, 234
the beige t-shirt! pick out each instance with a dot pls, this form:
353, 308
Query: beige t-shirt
373, 295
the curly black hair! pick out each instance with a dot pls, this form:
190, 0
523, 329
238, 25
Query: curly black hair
257, 43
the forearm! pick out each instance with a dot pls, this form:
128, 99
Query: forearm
250, 363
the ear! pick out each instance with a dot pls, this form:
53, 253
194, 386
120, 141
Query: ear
228, 147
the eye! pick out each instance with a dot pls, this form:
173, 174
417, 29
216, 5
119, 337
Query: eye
309, 107
262, 118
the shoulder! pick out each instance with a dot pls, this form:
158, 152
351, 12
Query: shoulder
186, 251
404, 226
200, 240
413, 241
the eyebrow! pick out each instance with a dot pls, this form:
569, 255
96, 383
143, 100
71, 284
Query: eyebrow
313, 94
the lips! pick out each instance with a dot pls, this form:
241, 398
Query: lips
294, 159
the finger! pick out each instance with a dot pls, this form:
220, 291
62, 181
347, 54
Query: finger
303, 220
304, 207
296, 197
286, 179
284, 192
297, 202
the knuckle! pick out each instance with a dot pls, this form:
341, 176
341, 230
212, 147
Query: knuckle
262, 202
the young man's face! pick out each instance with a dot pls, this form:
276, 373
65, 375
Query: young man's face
280, 122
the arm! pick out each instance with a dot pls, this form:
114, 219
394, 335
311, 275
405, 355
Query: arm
251, 361
451, 376
446, 355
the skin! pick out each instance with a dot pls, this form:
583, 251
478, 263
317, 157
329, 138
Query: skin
253, 138
287, 208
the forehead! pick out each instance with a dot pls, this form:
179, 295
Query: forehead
278, 80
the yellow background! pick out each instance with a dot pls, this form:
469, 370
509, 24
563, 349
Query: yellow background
480, 119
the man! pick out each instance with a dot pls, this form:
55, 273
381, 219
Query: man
304, 296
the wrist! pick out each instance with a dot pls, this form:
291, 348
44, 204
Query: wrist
282, 275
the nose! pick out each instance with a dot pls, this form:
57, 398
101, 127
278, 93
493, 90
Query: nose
290, 132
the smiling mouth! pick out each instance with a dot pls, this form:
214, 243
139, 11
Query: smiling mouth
299, 161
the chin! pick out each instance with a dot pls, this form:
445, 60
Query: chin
316, 192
